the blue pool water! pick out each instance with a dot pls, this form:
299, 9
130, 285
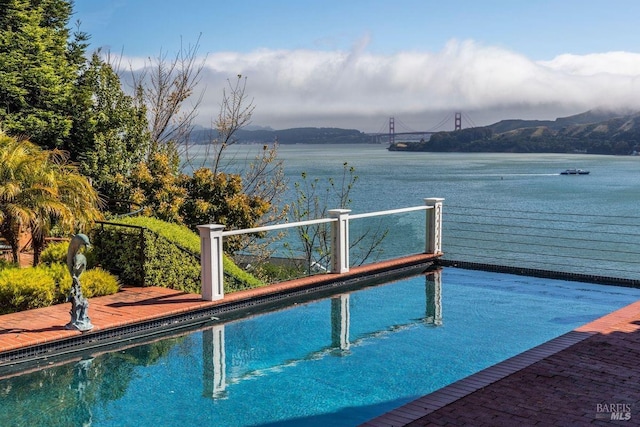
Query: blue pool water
338, 361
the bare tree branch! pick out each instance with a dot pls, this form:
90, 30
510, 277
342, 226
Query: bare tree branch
164, 87
235, 113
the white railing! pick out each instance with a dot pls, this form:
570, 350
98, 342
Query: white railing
211, 238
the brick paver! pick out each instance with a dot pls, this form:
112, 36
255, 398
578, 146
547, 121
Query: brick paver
130, 305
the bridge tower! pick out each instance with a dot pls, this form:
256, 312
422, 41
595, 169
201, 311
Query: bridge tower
392, 130
458, 122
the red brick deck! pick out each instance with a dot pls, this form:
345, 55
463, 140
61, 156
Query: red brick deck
130, 305
564, 382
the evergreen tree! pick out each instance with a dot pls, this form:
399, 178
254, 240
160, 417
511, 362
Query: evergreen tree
110, 134
38, 68
52, 95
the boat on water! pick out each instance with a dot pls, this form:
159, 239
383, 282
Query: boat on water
574, 172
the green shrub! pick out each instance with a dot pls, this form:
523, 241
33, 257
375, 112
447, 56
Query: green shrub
237, 279
278, 273
60, 274
35, 287
119, 250
178, 234
55, 253
7, 264
141, 257
25, 288
98, 282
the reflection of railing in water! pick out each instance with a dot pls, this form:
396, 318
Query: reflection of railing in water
211, 239
340, 320
214, 361
433, 288
215, 378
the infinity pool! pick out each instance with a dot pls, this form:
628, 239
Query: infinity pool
338, 361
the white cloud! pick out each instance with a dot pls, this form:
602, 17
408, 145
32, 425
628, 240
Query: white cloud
614, 63
361, 90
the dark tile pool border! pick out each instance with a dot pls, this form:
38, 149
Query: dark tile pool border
549, 274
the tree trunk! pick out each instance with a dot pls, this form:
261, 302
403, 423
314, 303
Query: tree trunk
15, 254
13, 241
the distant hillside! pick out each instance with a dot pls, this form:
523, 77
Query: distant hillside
591, 116
307, 135
594, 132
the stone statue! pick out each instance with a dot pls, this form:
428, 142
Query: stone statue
77, 263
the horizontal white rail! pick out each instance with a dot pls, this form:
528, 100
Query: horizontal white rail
278, 226
390, 212
321, 221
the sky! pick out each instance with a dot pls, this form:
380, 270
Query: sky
356, 63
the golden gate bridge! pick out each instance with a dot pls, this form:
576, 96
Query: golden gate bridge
390, 136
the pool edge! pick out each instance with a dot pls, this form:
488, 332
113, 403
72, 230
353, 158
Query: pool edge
147, 312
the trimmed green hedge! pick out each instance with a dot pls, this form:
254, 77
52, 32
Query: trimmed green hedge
146, 251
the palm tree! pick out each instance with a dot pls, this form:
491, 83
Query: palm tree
73, 204
39, 190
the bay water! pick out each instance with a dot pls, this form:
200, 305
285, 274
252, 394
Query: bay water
388, 180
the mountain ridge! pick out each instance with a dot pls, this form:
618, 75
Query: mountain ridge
301, 135
593, 132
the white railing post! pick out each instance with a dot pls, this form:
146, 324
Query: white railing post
211, 266
340, 240
434, 226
